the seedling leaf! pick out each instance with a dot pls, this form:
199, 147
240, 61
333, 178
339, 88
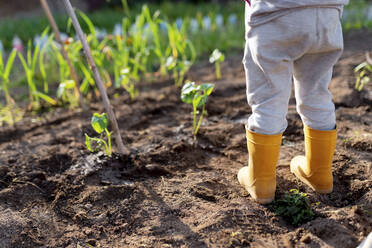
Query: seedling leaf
188, 92
99, 122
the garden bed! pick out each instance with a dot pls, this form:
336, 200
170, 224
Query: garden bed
169, 192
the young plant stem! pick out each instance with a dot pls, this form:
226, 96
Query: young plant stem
199, 122
105, 99
107, 151
108, 134
74, 76
194, 113
218, 70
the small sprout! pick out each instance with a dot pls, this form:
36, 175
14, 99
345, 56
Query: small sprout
197, 96
179, 68
126, 82
66, 93
99, 123
294, 207
217, 57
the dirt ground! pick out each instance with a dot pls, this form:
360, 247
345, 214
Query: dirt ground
169, 193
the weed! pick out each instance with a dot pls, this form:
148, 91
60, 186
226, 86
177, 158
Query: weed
99, 123
294, 207
197, 96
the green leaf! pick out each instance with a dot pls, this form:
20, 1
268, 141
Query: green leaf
68, 84
360, 66
197, 101
1, 62
207, 88
99, 122
171, 63
216, 56
45, 97
9, 63
90, 25
188, 91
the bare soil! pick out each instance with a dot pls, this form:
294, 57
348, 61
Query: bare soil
171, 193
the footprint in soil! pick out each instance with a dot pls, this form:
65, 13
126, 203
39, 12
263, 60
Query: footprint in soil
209, 190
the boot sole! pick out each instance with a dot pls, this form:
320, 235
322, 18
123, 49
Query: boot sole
259, 200
264, 200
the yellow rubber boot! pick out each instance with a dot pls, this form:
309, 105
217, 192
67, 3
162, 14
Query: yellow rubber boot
315, 169
259, 177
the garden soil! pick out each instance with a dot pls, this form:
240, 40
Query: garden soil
171, 192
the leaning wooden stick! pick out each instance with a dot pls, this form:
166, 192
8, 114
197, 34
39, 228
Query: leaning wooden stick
368, 58
105, 99
74, 76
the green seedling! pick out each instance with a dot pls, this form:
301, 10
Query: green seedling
42, 64
127, 83
197, 96
159, 43
217, 58
182, 52
8, 113
179, 68
5, 72
99, 123
364, 72
294, 207
29, 65
120, 52
88, 82
66, 93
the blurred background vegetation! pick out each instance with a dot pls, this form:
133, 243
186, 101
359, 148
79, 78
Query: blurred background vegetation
29, 20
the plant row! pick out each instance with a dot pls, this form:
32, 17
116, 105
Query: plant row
137, 51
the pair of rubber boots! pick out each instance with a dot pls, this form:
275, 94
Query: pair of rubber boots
314, 169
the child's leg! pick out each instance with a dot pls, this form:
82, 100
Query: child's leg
313, 73
268, 95
268, 92
269, 103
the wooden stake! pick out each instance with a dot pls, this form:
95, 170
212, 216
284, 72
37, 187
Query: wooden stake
74, 76
368, 58
105, 99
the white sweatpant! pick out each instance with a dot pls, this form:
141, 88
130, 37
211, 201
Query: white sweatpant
303, 45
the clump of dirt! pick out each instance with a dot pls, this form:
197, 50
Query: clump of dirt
171, 192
